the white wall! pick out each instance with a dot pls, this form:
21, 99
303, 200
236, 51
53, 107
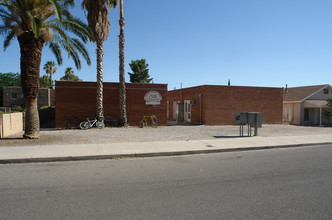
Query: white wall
11, 124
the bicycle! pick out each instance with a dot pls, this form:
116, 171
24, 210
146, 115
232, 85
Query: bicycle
144, 121
89, 124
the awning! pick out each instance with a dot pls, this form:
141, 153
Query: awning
315, 104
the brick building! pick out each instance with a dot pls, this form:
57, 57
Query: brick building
217, 105
13, 96
78, 99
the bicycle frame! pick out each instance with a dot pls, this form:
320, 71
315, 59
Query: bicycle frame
89, 124
144, 121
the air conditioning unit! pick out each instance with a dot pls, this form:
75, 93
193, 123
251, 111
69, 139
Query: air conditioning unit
193, 102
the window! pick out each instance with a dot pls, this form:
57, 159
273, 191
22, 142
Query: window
14, 95
306, 114
20, 96
326, 91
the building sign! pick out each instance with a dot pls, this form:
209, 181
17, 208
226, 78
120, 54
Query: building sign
152, 98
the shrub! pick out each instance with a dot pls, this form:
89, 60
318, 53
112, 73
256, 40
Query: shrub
46, 107
18, 109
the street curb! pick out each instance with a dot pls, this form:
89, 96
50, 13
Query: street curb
158, 154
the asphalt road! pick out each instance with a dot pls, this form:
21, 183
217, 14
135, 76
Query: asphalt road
294, 183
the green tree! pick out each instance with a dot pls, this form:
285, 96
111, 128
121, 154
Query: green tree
10, 79
50, 69
36, 23
45, 82
328, 113
70, 76
97, 15
140, 71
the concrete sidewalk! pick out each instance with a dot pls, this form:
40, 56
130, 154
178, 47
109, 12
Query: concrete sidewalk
72, 152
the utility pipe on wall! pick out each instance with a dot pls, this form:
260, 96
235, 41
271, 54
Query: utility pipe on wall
181, 98
200, 108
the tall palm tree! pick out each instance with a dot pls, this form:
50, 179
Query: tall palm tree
36, 23
50, 68
122, 84
97, 15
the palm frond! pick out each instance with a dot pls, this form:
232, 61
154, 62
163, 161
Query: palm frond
56, 49
57, 9
112, 3
4, 14
79, 28
67, 3
50, 20
81, 49
63, 38
8, 39
76, 59
35, 24
4, 30
5, 2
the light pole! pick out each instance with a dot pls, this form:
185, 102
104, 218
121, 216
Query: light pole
122, 83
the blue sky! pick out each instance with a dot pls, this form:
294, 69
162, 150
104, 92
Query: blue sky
251, 42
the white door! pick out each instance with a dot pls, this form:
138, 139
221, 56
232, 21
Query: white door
175, 105
316, 116
187, 111
287, 114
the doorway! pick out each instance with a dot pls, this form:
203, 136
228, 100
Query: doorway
187, 111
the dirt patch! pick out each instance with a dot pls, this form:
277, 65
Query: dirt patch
165, 133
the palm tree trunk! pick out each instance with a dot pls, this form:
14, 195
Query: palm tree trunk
122, 86
31, 51
51, 80
100, 53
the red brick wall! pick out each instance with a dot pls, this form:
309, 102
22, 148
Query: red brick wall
220, 103
78, 99
188, 94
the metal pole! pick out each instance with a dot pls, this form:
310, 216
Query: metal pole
242, 130
200, 108
320, 116
181, 98
256, 130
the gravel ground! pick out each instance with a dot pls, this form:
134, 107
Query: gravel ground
162, 133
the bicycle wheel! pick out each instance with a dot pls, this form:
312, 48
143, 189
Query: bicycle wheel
140, 123
154, 122
84, 125
100, 124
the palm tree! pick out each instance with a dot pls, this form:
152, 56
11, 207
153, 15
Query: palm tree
50, 68
99, 24
69, 71
69, 75
36, 23
122, 84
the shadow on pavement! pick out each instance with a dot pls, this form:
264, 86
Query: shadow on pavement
230, 136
